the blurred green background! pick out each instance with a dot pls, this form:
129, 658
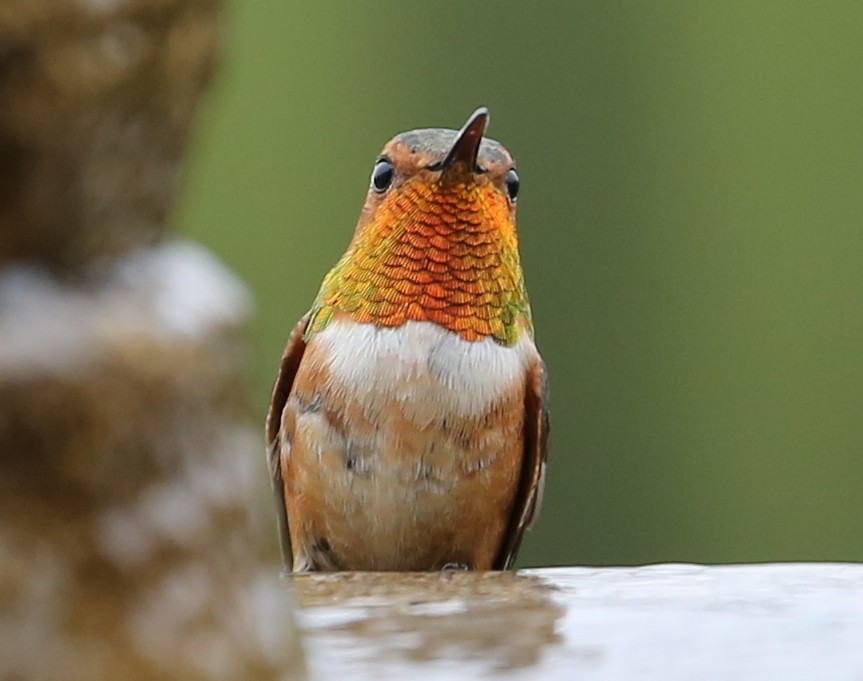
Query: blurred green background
690, 219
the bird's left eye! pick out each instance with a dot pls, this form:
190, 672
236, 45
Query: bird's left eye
382, 175
512, 184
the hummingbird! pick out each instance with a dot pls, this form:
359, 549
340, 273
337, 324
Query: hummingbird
408, 428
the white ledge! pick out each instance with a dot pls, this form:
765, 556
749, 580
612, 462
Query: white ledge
668, 622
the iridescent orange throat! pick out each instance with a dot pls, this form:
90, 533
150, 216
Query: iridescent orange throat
445, 254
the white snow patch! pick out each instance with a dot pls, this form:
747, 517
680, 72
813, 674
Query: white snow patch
174, 290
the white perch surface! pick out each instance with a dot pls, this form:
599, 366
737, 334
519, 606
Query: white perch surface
771, 621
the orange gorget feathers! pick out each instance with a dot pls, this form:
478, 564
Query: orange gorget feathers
441, 253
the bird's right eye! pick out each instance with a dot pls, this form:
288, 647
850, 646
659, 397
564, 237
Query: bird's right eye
382, 175
512, 184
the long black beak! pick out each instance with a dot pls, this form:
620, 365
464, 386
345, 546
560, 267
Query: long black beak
466, 145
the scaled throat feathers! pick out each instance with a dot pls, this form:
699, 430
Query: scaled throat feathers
428, 250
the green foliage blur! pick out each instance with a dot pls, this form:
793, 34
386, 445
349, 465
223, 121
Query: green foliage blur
690, 220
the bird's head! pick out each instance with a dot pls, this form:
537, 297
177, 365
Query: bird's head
442, 178
436, 240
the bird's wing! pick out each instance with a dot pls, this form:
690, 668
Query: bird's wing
291, 358
532, 482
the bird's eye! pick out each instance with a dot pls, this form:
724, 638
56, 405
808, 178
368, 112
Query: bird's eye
382, 175
512, 184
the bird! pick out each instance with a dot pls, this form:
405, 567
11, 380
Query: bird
408, 424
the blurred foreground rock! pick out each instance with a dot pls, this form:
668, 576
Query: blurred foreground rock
663, 622
127, 546
128, 468
97, 100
